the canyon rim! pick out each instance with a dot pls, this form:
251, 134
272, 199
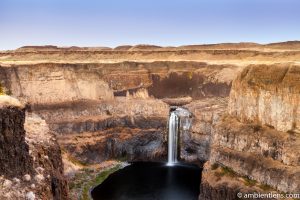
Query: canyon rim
70, 116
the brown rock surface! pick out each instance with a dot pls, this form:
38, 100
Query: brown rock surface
259, 138
95, 131
53, 83
219, 183
268, 94
14, 152
106, 103
30, 161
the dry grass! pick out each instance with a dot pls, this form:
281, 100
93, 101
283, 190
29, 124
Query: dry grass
6, 101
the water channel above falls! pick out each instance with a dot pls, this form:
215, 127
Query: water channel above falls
156, 180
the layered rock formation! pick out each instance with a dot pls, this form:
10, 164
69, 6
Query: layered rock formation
31, 163
196, 143
57, 83
96, 131
259, 139
105, 103
268, 94
14, 151
115, 96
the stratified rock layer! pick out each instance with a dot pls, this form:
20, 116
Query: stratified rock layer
259, 138
268, 94
53, 83
94, 131
14, 152
30, 158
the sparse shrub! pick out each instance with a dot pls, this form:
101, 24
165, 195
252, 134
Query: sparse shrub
123, 158
256, 128
190, 75
8, 92
249, 182
219, 174
214, 166
76, 161
291, 132
225, 116
225, 171
270, 126
229, 172
265, 187
1, 90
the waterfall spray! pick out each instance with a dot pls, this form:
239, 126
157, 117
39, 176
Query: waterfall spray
173, 139
180, 119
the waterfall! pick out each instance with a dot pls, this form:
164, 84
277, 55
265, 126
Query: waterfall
180, 119
173, 139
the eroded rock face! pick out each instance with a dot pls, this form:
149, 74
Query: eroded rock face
47, 157
259, 137
117, 143
102, 104
126, 128
252, 138
217, 184
53, 83
196, 143
50, 83
264, 154
14, 152
268, 95
30, 160
190, 84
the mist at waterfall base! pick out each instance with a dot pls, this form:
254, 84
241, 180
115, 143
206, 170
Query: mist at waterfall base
155, 180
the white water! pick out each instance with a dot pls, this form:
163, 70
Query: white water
172, 139
183, 117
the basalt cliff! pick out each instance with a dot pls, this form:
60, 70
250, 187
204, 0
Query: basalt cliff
88, 109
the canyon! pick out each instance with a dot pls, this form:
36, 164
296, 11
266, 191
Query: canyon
82, 110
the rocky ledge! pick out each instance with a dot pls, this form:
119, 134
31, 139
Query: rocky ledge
31, 163
259, 138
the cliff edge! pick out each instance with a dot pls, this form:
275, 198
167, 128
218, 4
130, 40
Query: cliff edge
30, 158
268, 94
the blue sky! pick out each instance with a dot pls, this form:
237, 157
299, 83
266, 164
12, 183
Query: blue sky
160, 22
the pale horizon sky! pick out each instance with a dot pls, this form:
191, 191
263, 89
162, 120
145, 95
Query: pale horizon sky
159, 22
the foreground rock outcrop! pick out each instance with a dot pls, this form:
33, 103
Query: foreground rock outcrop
14, 151
31, 163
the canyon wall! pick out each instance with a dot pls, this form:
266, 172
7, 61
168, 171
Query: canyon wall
14, 151
51, 83
81, 101
196, 143
268, 95
107, 104
92, 132
259, 137
30, 161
